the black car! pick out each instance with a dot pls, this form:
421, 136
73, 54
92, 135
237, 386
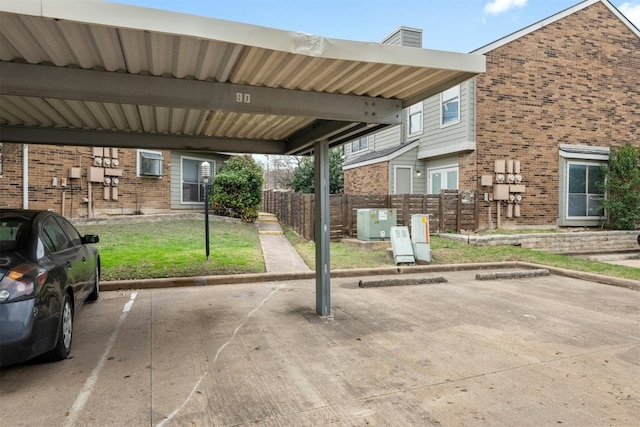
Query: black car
47, 271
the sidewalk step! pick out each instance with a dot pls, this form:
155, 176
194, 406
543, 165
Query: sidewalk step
267, 217
270, 232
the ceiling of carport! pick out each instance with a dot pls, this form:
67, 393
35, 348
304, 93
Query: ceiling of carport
79, 72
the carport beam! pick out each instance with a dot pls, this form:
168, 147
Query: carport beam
322, 234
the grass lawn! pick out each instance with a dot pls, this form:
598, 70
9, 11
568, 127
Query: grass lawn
174, 248
445, 251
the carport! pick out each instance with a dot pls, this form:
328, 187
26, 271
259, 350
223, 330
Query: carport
93, 73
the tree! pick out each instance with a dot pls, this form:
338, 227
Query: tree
237, 189
622, 186
303, 175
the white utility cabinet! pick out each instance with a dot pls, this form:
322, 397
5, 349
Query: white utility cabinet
420, 238
401, 245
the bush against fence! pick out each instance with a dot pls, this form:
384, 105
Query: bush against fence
449, 211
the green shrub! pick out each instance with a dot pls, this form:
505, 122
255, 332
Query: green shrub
237, 189
622, 186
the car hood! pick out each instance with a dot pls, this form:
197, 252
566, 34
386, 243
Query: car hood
8, 260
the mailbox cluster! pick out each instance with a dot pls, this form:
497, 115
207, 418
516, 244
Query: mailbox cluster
507, 186
106, 170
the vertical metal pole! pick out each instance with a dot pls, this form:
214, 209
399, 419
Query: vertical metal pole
322, 231
25, 176
206, 216
205, 171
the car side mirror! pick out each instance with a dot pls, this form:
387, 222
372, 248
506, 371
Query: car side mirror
90, 238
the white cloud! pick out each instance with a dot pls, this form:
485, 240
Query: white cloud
497, 7
632, 12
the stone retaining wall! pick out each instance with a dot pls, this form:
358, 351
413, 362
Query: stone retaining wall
575, 242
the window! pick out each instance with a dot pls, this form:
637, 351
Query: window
450, 111
53, 236
192, 181
359, 144
415, 121
584, 190
150, 163
70, 231
443, 179
580, 194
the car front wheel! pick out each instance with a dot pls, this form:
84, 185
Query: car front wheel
65, 334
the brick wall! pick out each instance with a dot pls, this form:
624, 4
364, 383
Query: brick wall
572, 82
46, 162
371, 179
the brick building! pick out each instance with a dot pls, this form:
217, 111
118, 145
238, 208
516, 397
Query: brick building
557, 96
87, 182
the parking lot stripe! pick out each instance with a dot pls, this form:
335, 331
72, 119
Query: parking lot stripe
87, 388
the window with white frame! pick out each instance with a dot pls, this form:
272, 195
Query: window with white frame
443, 179
360, 144
415, 121
450, 111
584, 190
150, 163
192, 181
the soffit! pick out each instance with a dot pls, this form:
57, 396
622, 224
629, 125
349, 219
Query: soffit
90, 72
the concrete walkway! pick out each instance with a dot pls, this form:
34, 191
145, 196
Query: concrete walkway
279, 254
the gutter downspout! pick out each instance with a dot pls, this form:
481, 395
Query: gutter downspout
25, 176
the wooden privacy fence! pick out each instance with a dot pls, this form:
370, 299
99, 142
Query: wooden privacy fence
448, 211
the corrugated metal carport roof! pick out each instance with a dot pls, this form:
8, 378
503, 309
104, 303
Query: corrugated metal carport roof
96, 73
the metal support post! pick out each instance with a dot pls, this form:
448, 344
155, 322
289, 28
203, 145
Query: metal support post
322, 230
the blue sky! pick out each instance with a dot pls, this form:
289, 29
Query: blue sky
455, 25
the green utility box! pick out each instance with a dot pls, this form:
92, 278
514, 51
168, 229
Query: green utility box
375, 224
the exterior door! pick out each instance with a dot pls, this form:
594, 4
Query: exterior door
403, 178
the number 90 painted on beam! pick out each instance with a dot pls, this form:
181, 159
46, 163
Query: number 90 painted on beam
244, 98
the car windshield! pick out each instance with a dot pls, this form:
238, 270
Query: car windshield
12, 232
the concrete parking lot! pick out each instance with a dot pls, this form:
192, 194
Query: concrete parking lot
534, 351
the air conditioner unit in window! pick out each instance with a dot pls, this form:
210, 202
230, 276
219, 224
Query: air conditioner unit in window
151, 164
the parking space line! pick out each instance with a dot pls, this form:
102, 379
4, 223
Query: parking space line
87, 388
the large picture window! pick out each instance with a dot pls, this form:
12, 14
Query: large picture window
192, 181
450, 111
584, 190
